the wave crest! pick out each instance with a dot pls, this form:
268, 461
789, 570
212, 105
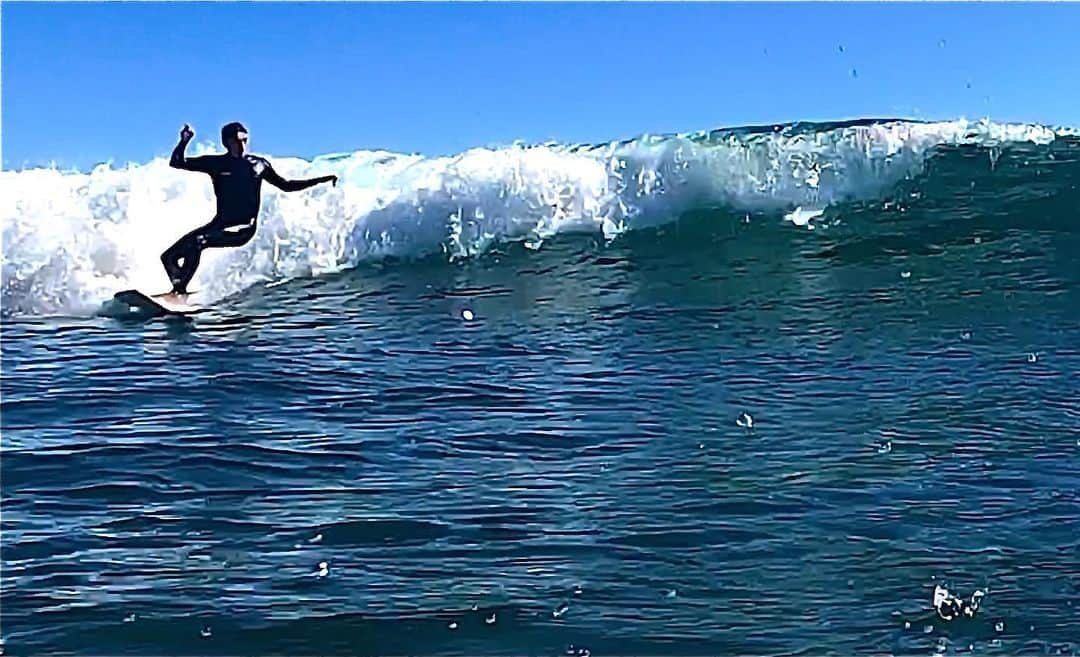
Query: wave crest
72, 239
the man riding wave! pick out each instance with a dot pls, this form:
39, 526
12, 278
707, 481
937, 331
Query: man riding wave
237, 177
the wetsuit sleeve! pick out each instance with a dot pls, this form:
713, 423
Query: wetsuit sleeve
275, 179
204, 163
272, 177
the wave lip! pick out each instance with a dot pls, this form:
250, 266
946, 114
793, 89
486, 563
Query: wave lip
72, 239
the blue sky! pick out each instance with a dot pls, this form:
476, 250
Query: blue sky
84, 83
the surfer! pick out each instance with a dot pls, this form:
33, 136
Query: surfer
237, 178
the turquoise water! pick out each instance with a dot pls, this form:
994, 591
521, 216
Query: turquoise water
721, 430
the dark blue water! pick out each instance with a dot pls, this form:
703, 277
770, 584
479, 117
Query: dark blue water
570, 471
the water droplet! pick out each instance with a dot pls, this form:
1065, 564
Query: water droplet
905, 274
324, 569
671, 594
907, 625
130, 618
966, 335
206, 632
475, 607
885, 447
701, 445
583, 652
559, 611
1032, 357
467, 315
978, 240
941, 594
927, 629
315, 539
452, 625
999, 626
1031, 628
577, 589
995, 643
490, 620
744, 420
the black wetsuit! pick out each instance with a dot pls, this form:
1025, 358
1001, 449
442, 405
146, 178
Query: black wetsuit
237, 182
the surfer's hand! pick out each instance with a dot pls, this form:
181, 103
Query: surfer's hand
186, 133
333, 180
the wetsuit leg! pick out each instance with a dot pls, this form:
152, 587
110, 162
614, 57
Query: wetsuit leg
182, 259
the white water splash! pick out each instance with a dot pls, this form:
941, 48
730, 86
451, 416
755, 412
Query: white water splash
71, 239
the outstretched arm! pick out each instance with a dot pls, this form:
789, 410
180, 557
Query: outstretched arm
276, 180
180, 161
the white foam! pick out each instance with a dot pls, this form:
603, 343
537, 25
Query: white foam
71, 239
801, 216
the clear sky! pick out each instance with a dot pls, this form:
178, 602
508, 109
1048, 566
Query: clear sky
84, 83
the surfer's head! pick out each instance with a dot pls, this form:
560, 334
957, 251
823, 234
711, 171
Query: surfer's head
234, 136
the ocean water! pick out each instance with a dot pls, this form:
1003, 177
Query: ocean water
747, 391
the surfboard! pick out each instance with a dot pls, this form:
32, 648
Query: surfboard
156, 304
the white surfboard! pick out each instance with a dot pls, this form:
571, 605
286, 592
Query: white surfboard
156, 304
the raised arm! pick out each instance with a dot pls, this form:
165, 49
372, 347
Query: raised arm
180, 161
276, 180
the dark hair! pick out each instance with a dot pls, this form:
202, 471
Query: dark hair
229, 131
